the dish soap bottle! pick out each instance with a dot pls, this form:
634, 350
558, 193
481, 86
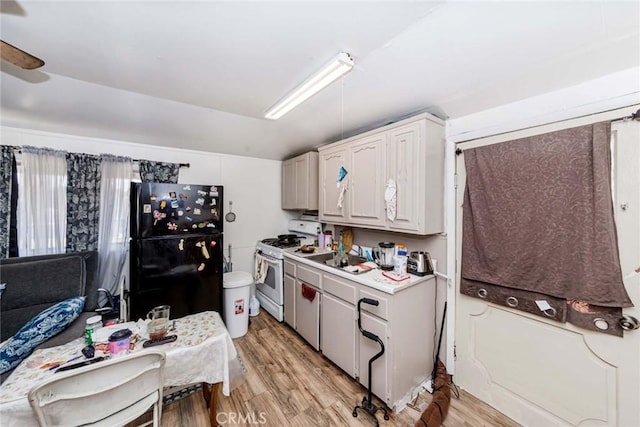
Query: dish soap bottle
342, 257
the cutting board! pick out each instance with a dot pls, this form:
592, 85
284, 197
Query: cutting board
347, 239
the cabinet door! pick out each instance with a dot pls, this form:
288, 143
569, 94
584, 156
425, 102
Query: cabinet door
308, 316
330, 162
368, 348
290, 301
403, 157
289, 187
339, 329
302, 182
366, 180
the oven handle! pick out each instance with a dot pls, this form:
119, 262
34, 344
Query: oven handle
269, 258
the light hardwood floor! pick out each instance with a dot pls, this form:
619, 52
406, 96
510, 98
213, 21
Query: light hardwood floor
290, 384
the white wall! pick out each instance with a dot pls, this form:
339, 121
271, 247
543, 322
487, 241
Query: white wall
253, 185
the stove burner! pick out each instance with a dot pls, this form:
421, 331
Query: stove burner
282, 243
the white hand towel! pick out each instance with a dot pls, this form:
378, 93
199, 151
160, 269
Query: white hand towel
341, 196
390, 199
261, 268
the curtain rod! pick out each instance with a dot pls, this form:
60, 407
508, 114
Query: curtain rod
633, 116
182, 165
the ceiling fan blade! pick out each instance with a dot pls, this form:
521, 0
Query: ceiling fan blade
19, 57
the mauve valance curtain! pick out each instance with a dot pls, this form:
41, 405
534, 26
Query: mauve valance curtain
159, 171
538, 216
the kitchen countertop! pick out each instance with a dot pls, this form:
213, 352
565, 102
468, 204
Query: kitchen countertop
373, 279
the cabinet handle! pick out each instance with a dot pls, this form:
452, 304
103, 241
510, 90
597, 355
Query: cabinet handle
512, 302
482, 293
550, 312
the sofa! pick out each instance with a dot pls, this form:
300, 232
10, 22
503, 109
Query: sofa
33, 284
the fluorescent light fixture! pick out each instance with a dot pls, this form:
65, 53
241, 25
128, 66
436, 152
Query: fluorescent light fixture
338, 67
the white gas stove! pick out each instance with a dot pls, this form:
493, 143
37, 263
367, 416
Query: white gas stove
269, 269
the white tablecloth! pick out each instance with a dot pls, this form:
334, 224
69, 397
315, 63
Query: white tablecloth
203, 352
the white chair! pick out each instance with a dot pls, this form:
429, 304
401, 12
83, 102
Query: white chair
108, 393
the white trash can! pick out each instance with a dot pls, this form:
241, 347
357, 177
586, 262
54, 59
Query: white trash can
237, 288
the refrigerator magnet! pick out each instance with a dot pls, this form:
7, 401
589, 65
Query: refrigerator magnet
213, 202
205, 252
201, 266
202, 193
153, 197
200, 201
186, 188
181, 244
180, 213
146, 208
197, 211
188, 209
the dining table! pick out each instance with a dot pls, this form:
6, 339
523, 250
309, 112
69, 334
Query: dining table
202, 353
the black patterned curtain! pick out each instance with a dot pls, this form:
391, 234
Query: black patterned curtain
83, 197
159, 171
7, 172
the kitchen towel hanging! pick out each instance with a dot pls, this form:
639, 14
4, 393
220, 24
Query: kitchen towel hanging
308, 292
261, 268
390, 199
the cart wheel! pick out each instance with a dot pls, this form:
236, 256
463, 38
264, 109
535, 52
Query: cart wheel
355, 414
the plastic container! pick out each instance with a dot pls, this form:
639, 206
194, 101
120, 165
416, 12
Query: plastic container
400, 265
328, 240
401, 249
254, 306
321, 240
237, 287
93, 323
119, 342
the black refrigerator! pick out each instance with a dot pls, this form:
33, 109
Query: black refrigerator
176, 248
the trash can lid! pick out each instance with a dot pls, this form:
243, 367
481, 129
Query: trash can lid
236, 279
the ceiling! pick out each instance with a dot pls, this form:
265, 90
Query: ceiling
200, 75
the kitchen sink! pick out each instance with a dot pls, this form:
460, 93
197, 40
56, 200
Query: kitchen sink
327, 259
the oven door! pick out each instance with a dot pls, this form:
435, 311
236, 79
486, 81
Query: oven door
272, 286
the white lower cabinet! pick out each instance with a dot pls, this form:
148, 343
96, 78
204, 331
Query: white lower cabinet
307, 313
403, 321
368, 349
339, 333
290, 300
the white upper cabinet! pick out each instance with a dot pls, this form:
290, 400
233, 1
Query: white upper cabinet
365, 176
300, 182
409, 154
331, 206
